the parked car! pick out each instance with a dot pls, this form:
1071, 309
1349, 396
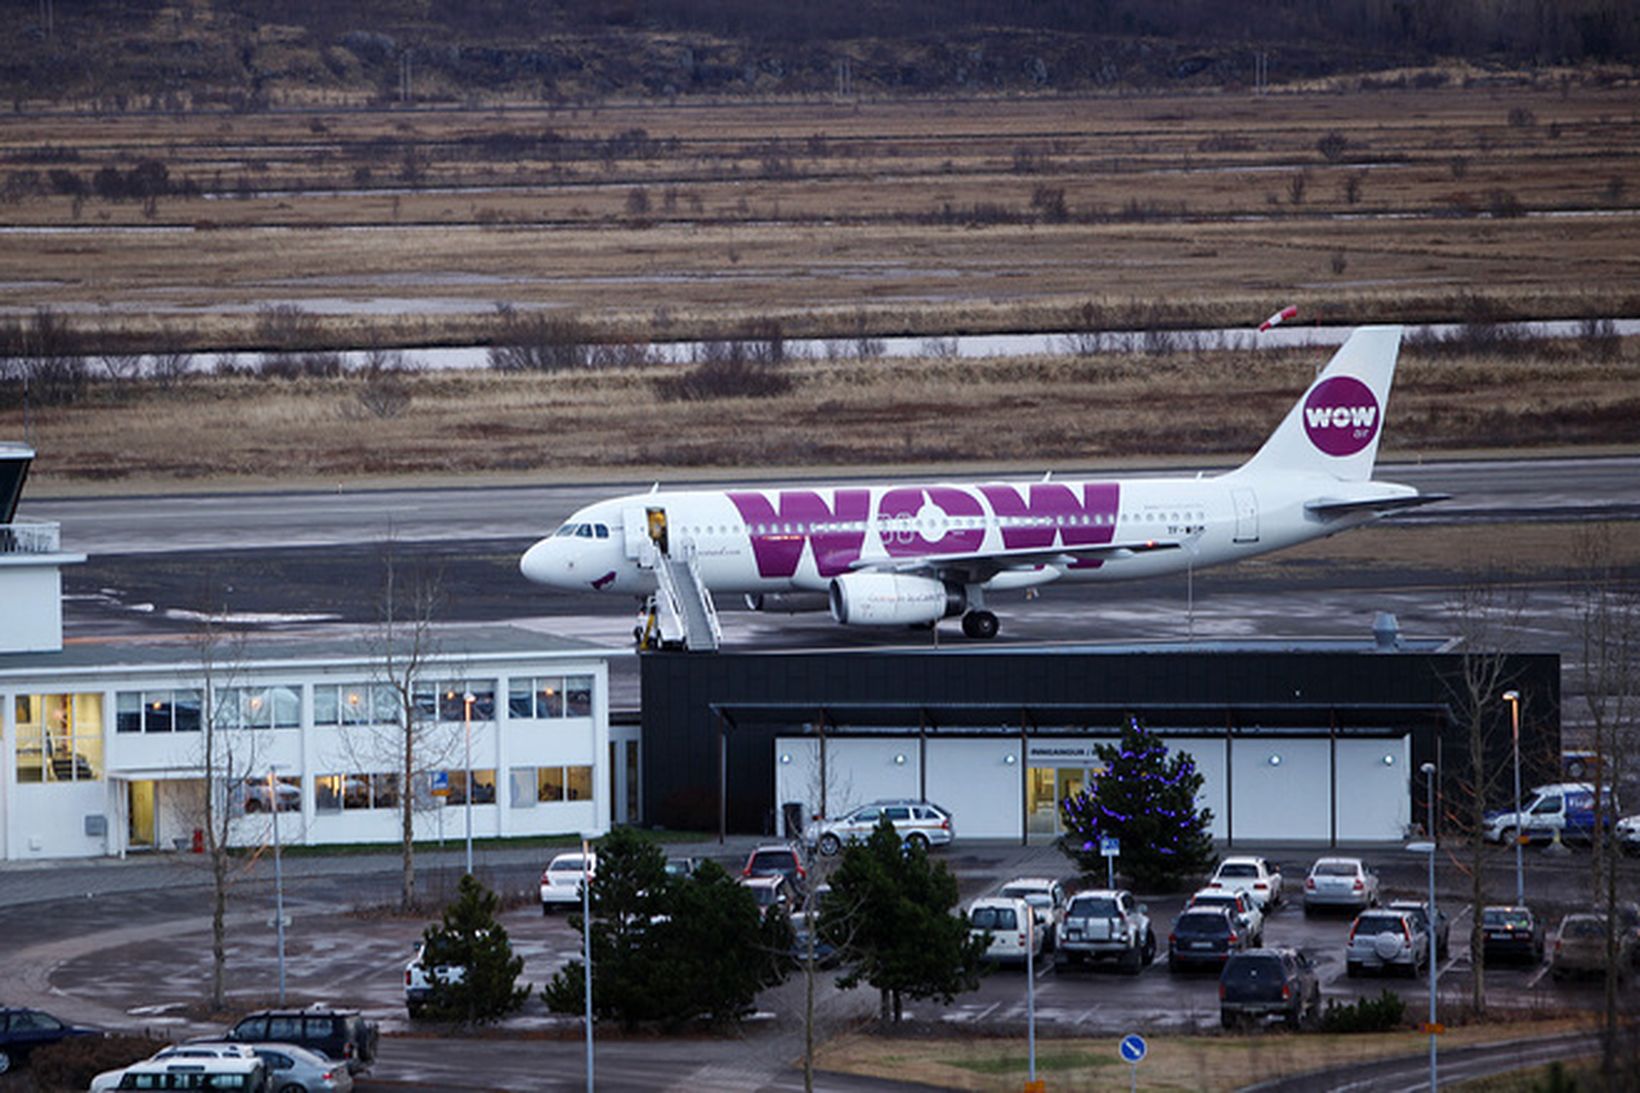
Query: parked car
1246, 914
1385, 940
1580, 948
1340, 882
1106, 924
1204, 937
1008, 922
561, 879
1263, 983
682, 867
777, 859
418, 980
242, 1074
773, 893
111, 1079
1255, 876
1627, 831
343, 1035
1419, 911
1511, 933
1047, 900
921, 822
23, 1030
1563, 807
826, 955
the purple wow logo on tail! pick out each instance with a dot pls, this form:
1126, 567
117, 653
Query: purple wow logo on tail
1341, 416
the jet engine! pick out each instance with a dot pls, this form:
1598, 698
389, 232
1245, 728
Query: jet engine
786, 603
894, 599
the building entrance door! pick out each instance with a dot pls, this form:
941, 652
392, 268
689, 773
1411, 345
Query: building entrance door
140, 820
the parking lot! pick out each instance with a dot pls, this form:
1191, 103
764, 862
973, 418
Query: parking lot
136, 961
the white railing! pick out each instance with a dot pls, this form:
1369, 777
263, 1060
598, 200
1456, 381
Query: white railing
30, 537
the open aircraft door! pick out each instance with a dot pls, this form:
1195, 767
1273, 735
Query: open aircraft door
635, 528
1246, 502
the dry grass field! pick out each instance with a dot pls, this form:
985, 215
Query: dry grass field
823, 219
917, 216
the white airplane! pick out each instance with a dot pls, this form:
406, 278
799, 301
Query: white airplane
896, 555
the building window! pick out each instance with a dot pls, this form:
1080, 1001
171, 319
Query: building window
255, 795
277, 706
327, 793
552, 784
156, 711
550, 697
59, 737
354, 704
483, 787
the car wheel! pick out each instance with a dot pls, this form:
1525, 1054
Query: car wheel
1148, 955
1353, 969
830, 845
1131, 962
1309, 911
917, 839
1295, 1016
293, 1087
546, 908
1227, 1021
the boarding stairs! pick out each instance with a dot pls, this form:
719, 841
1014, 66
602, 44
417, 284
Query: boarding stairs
683, 609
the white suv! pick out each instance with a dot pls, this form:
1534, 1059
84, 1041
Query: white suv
561, 880
918, 823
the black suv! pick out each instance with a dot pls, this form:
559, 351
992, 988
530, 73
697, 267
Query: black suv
1261, 983
342, 1035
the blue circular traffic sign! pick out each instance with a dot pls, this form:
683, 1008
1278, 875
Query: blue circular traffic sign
1133, 1047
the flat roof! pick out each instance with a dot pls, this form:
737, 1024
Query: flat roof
289, 651
1367, 644
1048, 718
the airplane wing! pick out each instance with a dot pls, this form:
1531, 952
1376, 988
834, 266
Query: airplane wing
979, 566
1330, 506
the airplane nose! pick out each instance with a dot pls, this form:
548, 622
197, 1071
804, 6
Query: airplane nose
536, 565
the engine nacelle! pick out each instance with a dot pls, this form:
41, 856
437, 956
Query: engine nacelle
786, 603
894, 599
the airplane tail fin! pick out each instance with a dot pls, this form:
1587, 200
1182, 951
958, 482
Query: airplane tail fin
1334, 428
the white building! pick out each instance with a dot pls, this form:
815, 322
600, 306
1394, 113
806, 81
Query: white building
104, 746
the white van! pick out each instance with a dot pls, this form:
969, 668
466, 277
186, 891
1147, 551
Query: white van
243, 1075
1008, 921
1564, 807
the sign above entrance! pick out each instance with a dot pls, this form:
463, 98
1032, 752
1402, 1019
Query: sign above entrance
1062, 753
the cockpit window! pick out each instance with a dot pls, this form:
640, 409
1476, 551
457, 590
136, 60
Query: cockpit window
601, 530
583, 531
564, 532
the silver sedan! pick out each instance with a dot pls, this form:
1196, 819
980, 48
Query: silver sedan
1340, 882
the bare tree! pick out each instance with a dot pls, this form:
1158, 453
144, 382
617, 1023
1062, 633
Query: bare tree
1486, 613
402, 645
1608, 676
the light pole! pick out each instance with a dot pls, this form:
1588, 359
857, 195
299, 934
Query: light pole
1429, 847
586, 941
1030, 984
1513, 698
278, 880
467, 726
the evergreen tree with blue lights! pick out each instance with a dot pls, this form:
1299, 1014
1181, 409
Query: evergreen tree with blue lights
1147, 800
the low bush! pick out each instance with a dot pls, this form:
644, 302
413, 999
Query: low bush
1387, 1011
71, 1064
730, 373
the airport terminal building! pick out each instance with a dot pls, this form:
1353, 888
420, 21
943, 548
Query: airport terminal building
1312, 742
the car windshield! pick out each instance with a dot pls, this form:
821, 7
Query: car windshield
1210, 899
772, 859
1514, 920
1202, 924
565, 865
1094, 907
993, 918
1335, 869
1033, 896
1582, 926
1247, 970
1238, 869
1379, 924
766, 895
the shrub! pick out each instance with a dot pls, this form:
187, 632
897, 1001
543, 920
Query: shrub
72, 1063
725, 370
1387, 1011
1333, 145
536, 343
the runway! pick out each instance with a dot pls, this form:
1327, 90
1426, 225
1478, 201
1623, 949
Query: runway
296, 560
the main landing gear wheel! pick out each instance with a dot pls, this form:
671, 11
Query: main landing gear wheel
981, 625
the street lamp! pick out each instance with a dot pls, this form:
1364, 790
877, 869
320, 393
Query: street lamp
278, 880
1513, 698
467, 726
586, 940
1429, 847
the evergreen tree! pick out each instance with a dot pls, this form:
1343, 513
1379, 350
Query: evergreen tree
889, 913
1146, 800
667, 950
469, 960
